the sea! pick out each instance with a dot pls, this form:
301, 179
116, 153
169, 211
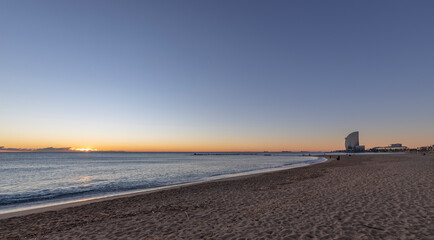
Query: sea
34, 179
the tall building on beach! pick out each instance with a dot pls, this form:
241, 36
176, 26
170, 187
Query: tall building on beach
352, 143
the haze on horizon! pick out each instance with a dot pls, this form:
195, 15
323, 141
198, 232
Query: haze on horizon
215, 76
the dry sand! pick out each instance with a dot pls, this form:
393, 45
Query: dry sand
357, 197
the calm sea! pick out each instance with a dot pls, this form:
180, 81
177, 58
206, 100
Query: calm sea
35, 179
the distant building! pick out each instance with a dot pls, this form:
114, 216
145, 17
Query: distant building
427, 148
395, 147
352, 143
360, 148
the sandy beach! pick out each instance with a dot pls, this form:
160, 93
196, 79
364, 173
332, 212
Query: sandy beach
358, 197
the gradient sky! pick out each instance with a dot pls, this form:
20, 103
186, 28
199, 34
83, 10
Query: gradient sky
216, 75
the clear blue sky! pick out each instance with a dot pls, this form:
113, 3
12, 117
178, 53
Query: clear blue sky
216, 75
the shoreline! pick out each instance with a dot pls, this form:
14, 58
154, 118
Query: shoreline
357, 197
79, 202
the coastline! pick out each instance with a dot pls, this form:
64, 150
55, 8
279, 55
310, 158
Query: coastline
74, 203
360, 196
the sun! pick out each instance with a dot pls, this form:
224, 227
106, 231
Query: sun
86, 149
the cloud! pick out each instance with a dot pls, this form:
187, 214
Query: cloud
47, 149
13, 149
51, 149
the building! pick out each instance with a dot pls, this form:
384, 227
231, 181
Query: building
352, 143
395, 147
425, 149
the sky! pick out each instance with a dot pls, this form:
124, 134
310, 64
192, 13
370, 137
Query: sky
216, 75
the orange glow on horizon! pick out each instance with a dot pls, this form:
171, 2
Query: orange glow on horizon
214, 143
85, 149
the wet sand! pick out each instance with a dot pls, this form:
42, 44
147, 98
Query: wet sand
357, 197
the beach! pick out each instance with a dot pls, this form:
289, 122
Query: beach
372, 196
